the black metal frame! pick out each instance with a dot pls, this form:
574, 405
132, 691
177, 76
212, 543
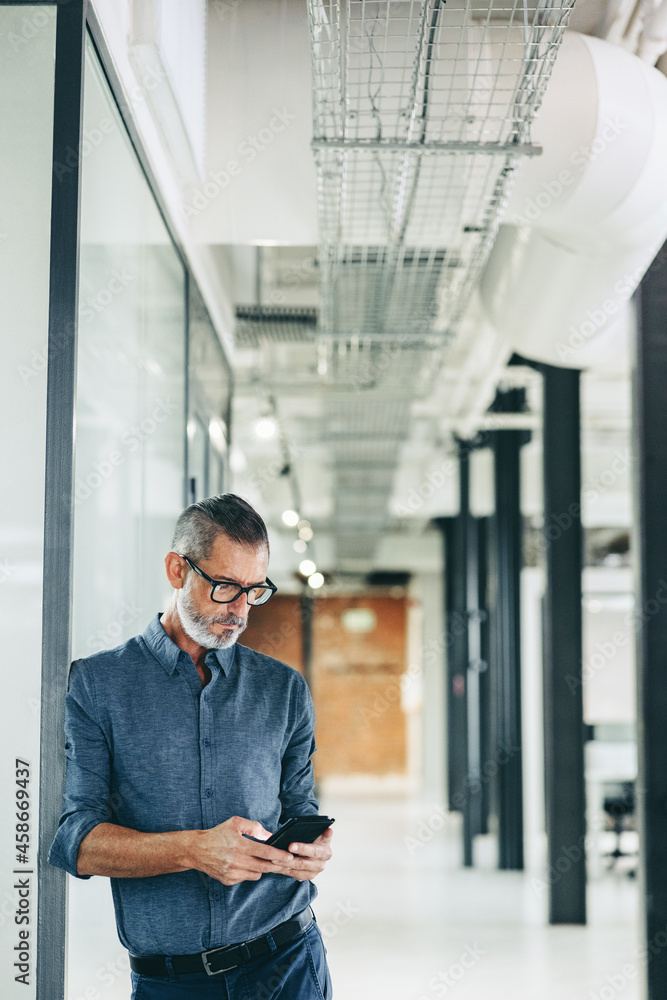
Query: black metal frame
59, 487
650, 618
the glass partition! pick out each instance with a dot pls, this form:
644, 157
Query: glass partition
210, 390
130, 445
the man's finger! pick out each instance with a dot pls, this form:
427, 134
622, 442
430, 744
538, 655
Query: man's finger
265, 853
311, 850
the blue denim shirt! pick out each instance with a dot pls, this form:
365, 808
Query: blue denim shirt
151, 749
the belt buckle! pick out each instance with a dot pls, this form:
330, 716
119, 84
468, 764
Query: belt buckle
227, 968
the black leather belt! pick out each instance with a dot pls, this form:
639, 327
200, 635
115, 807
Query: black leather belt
223, 959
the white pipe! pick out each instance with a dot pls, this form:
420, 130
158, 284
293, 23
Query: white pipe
586, 218
653, 41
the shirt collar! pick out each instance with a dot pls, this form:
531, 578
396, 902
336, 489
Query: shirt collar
167, 653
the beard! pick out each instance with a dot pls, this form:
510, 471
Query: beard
198, 626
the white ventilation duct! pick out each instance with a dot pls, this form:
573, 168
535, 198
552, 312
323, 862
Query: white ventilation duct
586, 219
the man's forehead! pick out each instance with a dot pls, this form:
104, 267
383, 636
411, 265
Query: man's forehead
229, 556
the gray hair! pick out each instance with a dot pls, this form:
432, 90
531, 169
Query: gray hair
226, 514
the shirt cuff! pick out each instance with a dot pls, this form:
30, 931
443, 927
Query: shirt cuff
64, 850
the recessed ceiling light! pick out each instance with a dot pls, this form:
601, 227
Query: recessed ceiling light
266, 428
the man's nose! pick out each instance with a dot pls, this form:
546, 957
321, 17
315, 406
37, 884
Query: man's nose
239, 606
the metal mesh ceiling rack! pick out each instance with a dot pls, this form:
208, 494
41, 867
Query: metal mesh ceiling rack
422, 112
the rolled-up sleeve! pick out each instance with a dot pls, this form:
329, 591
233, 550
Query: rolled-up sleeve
297, 796
86, 800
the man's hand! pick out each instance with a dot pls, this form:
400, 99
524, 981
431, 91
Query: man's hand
226, 855
311, 859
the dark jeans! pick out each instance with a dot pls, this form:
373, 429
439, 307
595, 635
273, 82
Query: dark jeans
297, 971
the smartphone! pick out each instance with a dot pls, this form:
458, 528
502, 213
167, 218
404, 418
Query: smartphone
299, 829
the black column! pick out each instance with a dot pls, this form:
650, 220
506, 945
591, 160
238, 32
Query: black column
563, 708
455, 625
484, 671
465, 561
459, 645
651, 616
476, 821
506, 630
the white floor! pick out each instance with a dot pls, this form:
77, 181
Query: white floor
403, 921
414, 925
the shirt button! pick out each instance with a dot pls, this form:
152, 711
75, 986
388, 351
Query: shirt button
208, 793
207, 743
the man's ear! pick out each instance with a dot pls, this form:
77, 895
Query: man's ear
177, 569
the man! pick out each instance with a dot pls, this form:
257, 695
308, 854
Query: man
180, 746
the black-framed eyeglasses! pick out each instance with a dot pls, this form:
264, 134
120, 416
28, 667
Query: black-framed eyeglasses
224, 591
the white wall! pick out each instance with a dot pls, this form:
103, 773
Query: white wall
427, 677
27, 43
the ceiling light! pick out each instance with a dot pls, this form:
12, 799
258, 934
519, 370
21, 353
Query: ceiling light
306, 534
266, 428
315, 580
290, 518
299, 546
307, 567
237, 460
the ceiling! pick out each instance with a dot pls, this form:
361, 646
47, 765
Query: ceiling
362, 347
